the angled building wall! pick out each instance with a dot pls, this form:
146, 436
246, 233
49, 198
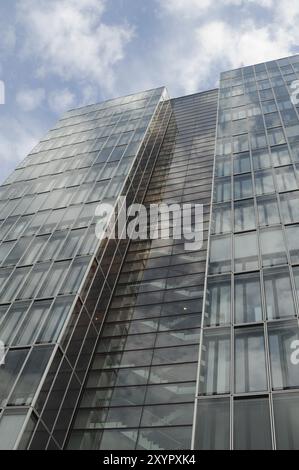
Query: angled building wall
56, 276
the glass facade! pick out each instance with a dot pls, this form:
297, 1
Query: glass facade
141, 344
140, 388
56, 275
248, 384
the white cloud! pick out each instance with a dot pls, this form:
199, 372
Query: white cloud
18, 136
206, 37
246, 45
186, 8
196, 8
30, 99
61, 100
7, 43
8, 38
286, 14
70, 39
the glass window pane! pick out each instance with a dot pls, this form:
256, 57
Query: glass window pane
242, 186
276, 136
34, 281
167, 415
178, 338
35, 223
17, 252
107, 418
80, 194
242, 163
278, 292
115, 440
165, 438
6, 227
13, 284
223, 166
280, 155
4, 250
34, 250
98, 191
246, 252
173, 373
240, 143
170, 393
175, 355
70, 216
248, 304
52, 247
272, 120
212, 424
222, 191
221, 218
57, 217
224, 146
261, 159
72, 243
32, 324
10, 426
31, 375
268, 211
239, 126
286, 179
86, 216
215, 362
290, 207
244, 215
4, 276
218, 302
295, 151
252, 428
9, 371
264, 183
12, 321
220, 255
272, 247
250, 351
74, 276
283, 367
53, 279
293, 242
3, 310
179, 322
296, 277
286, 416
292, 132
119, 396
55, 319
90, 242
258, 140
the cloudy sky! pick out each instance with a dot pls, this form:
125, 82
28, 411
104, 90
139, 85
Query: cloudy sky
59, 54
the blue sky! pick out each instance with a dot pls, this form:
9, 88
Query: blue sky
59, 54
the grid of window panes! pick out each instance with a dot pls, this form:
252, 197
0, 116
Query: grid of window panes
249, 386
54, 407
140, 388
47, 236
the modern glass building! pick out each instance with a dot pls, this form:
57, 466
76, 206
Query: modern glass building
142, 344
